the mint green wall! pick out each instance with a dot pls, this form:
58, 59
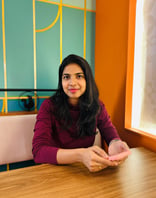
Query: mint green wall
20, 42
1, 56
47, 46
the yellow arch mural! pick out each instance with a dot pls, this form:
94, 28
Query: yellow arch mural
53, 23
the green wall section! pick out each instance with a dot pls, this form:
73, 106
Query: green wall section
79, 3
90, 4
90, 39
72, 31
20, 43
47, 46
1, 55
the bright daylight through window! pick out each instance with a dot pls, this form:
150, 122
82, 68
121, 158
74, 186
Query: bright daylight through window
144, 79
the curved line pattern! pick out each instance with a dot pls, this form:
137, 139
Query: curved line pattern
52, 24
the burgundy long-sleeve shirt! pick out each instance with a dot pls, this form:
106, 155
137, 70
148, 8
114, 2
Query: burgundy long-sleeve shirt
49, 135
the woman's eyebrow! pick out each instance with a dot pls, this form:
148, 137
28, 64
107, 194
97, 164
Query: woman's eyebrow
75, 73
80, 73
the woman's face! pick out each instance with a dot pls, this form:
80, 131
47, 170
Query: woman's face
73, 82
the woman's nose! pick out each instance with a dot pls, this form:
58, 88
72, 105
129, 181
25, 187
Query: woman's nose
72, 81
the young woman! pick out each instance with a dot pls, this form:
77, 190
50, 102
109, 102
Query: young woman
67, 122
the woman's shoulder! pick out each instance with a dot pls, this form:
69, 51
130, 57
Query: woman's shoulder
47, 101
101, 103
47, 104
102, 108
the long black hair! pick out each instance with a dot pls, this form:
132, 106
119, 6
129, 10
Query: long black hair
88, 102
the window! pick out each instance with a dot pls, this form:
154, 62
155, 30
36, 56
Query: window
141, 72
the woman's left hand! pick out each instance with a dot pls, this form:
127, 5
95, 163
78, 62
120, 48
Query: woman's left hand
117, 147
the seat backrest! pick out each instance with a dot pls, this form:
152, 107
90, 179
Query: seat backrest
16, 133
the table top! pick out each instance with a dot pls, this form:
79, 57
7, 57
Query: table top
136, 177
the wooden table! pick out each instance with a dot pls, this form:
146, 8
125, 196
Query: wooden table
135, 178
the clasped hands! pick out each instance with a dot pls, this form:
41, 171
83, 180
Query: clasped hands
96, 159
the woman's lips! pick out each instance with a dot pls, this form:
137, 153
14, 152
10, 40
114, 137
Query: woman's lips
73, 90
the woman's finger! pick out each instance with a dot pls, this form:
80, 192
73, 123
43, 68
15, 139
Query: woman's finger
100, 152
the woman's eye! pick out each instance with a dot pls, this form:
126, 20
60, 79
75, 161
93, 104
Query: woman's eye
66, 77
80, 76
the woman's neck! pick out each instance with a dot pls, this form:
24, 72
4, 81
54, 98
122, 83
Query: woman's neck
73, 101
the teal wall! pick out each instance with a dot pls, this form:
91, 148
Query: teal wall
24, 44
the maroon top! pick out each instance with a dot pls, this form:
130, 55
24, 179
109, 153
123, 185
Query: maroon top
49, 135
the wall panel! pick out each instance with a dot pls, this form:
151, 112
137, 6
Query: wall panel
38, 34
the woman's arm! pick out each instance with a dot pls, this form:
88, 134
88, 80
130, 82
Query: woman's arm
94, 158
105, 126
44, 147
110, 135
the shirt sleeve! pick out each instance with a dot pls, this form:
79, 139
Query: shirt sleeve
105, 126
44, 147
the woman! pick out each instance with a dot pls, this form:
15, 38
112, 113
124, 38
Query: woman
66, 124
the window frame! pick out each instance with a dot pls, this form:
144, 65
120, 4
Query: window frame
130, 71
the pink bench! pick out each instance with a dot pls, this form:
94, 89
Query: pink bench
16, 133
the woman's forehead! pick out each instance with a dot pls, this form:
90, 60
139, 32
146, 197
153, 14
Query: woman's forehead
72, 69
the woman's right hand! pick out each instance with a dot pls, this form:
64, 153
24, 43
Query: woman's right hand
96, 159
